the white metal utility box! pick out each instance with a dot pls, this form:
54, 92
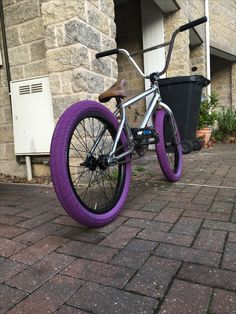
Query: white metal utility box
33, 121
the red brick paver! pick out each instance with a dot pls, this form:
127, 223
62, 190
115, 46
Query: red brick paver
185, 297
171, 250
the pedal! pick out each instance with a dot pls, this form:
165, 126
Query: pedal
145, 136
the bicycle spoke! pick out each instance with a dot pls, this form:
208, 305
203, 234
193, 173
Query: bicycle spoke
97, 188
82, 143
103, 190
83, 172
76, 150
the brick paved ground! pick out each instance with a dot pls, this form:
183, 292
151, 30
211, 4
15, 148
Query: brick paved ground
172, 250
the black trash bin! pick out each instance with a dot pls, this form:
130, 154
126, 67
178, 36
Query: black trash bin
183, 95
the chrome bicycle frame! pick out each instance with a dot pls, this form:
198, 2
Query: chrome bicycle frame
155, 104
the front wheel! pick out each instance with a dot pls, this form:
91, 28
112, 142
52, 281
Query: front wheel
91, 191
169, 152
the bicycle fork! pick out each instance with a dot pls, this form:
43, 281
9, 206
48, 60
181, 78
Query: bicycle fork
173, 123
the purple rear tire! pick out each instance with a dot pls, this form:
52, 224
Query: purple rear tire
172, 169
60, 173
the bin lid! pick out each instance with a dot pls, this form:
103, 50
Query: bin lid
198, 79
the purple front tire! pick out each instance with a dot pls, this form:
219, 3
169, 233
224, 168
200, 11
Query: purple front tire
90, 191
168, 152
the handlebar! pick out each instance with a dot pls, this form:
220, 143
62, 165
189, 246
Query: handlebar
107, 53
192, 24
171, 44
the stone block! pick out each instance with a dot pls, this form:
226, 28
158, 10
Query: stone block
38, 50
94, 2
6, 133
77, 31
7, 115
50, 37
17, 73
87, 81
38, 68
2, 115
108, 7
62, 102
102, 66
107, 43
32, 30
41, 170
3, 78
98, 19
7, 2
4, 97
58, 10
21, 12
54, 36
108, 83
19, 55
55, 84
9, 151
13, 37
12, 167
67, 58
112, 28
66, 79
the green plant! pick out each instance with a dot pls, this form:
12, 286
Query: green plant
207, 115
226, 120
139, 169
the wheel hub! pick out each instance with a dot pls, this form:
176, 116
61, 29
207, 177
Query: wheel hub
92, 163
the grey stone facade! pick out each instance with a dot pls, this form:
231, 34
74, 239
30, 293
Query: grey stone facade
59, 39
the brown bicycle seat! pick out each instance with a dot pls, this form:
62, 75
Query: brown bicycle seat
117, 90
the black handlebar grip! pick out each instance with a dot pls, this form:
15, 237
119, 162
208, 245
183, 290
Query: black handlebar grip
193, 23
107, 53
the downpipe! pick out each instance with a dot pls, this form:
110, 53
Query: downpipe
208, 63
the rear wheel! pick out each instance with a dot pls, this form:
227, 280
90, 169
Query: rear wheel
91, 191
168, 152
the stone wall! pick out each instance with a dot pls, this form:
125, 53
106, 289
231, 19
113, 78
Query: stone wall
233, 80
25, 39
27, 57
56, 38
222, 33
221, 80
74, 32
222, 24
180, 59
183, 57
129, 36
